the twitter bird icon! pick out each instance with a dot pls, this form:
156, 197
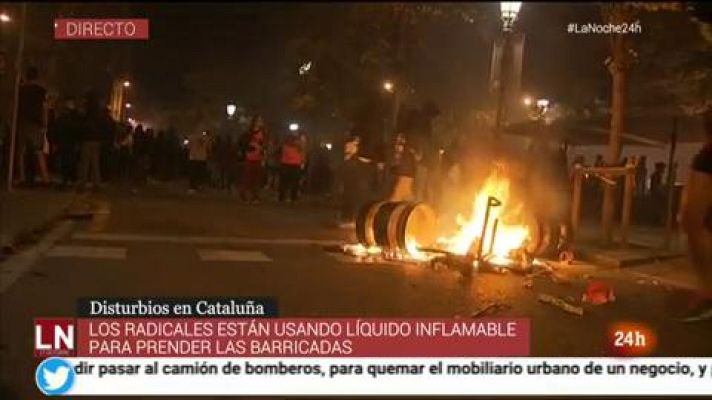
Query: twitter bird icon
55, 376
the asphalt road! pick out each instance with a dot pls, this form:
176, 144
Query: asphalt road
165, 244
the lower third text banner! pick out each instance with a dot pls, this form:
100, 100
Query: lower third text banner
305, 337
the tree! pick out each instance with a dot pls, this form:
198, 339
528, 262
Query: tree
355, 46
673, 72
621, 58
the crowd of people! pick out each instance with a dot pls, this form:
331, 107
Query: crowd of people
650, 189
75, 143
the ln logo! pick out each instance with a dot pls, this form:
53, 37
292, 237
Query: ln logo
54, 337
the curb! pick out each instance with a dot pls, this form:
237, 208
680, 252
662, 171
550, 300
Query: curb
31, 234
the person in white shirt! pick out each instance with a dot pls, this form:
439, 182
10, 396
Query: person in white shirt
198, 149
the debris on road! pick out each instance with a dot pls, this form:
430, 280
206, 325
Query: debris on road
598, 293
528, 282
559, 303
648, 281
566, 257
560, 278
486, 308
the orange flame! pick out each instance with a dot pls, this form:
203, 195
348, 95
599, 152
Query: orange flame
509, 235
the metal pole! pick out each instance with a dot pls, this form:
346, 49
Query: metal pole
494, 236
499, 117
670, 217
491, 202
16, 95
627, 204
576, 201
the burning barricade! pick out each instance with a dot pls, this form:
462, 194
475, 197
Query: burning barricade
498, 232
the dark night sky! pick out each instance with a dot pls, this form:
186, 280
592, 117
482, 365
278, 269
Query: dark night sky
247, 41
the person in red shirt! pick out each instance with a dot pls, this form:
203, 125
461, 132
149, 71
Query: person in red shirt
292, 163
253, 145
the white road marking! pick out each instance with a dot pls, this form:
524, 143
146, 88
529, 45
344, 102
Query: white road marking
129, 237
232, 255
14, 267
114, 253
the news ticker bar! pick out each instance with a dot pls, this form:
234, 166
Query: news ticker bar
384, 376
287, 337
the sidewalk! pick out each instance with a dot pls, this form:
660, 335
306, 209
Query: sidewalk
645, 245
23, 211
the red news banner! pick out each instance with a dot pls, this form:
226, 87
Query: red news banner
289, 337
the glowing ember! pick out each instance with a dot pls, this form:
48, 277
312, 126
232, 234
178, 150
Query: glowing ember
411, 246
360, 250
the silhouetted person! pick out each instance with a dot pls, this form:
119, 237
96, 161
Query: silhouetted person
140, 151
697, 222
641, 177
656, 180
124, 143
272, 161
32, 128
199, 145
68, 128
96, 126
599, 161
291, 167
403, 167
354, 179
252, 145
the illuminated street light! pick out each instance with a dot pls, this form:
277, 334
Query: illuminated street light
127, 105
509, 10
5, 17
294, 127
127, 84
304, 68
388, 86
542, 103
527, 101
231, 109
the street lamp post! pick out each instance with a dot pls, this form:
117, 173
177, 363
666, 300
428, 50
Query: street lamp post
118, 97
509, 11
15, 107
390, 87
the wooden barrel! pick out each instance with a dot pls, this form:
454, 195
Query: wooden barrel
364, 223
391, 224
417, 221
382, 221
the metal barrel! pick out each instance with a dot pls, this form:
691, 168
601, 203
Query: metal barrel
364, 223
391, 224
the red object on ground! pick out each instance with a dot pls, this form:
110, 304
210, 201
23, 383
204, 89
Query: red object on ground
598, 293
